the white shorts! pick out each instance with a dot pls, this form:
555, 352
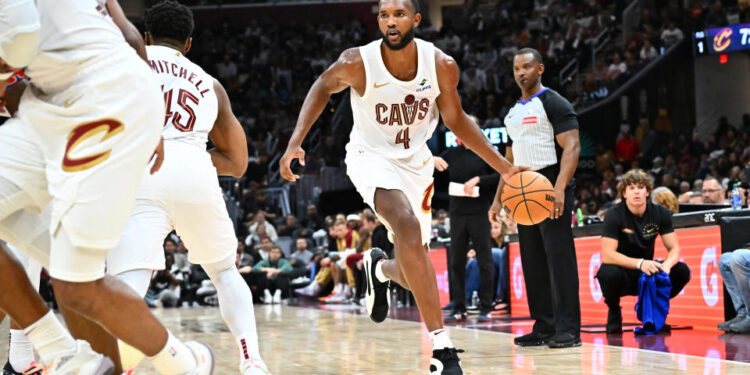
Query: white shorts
96, 136
185, 196
412, 176
23, 192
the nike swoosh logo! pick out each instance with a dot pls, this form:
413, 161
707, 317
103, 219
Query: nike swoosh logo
379, 86
426, 161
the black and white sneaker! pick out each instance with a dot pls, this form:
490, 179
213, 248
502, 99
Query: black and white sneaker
377, 294
446, 362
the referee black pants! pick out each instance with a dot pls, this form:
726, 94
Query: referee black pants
477, 228
548, 257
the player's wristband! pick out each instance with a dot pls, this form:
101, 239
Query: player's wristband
640, 263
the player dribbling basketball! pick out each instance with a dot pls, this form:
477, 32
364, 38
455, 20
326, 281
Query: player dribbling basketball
399, 88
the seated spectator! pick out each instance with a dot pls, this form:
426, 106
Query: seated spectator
275, 270
181, 257
712, 191
354, 261
164, 290
617, 67
735, 270
671, 34
648, 52
630, 230
260, 220
666, 198
290, 227
313, 221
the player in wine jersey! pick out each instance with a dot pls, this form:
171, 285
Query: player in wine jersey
185, 194
80, 140
399, 87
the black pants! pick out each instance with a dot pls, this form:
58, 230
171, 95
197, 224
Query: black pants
280, 282
617, 281
476, 228
548, 257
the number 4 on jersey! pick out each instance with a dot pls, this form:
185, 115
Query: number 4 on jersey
403, 137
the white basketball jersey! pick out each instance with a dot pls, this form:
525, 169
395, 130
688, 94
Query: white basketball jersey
72, 32
395, 118
189, 95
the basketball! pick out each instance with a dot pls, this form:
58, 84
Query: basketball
528, 198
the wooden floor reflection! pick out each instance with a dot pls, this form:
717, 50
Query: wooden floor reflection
308, 341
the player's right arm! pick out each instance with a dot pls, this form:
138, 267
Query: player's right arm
230, 154
347, 71
129, 31
19, 34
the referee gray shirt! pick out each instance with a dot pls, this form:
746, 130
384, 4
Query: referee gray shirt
533, 125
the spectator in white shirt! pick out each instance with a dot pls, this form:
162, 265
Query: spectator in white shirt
260, 219
556, 45
671, 34
648, 52
617, 67
227, 69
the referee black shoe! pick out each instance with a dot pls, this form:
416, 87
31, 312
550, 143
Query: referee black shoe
377, 293
532, 339
564, 340
445, 362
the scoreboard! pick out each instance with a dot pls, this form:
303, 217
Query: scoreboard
722, 39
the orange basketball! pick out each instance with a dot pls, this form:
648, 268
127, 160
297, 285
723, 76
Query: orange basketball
528, 198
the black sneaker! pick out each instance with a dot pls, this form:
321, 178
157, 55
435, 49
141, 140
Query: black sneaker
448, 307
456, 317
8, 370
446, 362
377, 294
532, 339
564, 340
614, 321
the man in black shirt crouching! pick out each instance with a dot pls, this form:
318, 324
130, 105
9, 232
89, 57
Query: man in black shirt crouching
630, 230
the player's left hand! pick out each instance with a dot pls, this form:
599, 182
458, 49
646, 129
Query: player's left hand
494, 213
558, 211
158, 157
469, 186
285, 163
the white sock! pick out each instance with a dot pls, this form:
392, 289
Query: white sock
236, 306
21, 351
338, 289
440, 339
50, 339
347, 290
174, 359
379, 272
248, 345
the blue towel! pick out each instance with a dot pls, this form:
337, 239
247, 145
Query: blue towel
653, 302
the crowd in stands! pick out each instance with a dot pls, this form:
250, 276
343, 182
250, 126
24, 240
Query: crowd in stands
694, 169
662, 24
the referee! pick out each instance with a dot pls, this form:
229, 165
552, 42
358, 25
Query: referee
543, 135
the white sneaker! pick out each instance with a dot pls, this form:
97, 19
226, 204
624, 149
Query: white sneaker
311, 290
204, 358
267, 298
338, 298
84, 361
277, 296
254, 366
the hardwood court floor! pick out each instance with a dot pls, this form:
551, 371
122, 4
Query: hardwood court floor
305, 341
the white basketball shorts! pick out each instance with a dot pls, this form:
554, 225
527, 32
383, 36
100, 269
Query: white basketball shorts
412, 176
185, 196
96, 134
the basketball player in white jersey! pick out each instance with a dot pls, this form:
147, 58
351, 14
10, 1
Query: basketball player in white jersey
82, 136
399, 87
185, 194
